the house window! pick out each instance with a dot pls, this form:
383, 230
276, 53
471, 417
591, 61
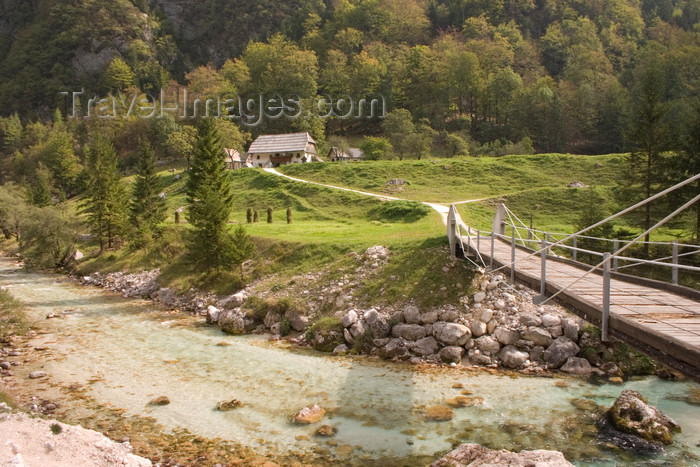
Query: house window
258, 157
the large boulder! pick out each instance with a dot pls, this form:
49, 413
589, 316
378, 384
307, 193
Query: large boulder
488, 344
506, 336
571, 328
577, 366
410, 332
451, 333
411, 314
631, 413
298, 321
529, 319
559, 352
478, 328
395, 348
429, 317
271, 318
166, 297
379, 324
349, 318
451, 354
476, 455
232, 321
537, 336
424, 347
511, 357
212, 314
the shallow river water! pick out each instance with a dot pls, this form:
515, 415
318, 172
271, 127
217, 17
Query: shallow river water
126, 353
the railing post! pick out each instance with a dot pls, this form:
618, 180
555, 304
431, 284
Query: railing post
674, 269
478, 241
575, 246
469, 239
616, 247
493, 239
606, 297
543, 270
512, 256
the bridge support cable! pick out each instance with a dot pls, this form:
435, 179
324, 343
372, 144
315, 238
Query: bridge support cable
615, 216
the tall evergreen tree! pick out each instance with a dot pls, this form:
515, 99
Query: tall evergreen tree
148, 209
105, 197
210, 200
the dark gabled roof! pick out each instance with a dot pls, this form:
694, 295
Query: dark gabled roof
281, 143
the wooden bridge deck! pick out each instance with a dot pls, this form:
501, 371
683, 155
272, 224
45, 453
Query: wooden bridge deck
660, 322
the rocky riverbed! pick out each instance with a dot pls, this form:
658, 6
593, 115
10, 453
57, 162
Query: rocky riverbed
496, 325
369, 410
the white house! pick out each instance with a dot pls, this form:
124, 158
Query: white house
275, 150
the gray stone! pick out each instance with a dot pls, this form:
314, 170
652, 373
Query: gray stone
411, 314
491, 326
486, 315
537, 336
349, 318
555, 331
449, 314
550, 320
512, 357
536, 353
380, 326
429, 318
477, 358
500, 304
166, 297
506, 336
451, 333
37, 374
451, 354
559, 352
476, 455
381, 342
232, 321
478, 328
298, 321
571, 328
358, 329
470, 344
425, 346
529, 319
410, 332
397, 316
271, 319
479, 297
235, 300
488, 344
371, 316
5, 365
213, 314
577, 366
341, 349
348, 336
396, 348
631, 413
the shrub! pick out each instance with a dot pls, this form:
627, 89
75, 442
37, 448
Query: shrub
400, 211
255, 215
249, 215
289, 215
269, 215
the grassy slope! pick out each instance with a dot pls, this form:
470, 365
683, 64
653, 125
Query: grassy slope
459, 179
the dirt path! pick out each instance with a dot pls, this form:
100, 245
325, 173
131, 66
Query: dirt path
442, 209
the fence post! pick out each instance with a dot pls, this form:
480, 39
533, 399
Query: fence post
674, 269
478, 241
469, 239
512, 256
493, 239
616, 246
606, 297
543, 270
529, 234
575, 246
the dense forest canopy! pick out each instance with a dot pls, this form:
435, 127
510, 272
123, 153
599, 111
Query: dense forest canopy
563, 74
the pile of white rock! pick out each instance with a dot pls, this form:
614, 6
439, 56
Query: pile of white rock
499, 326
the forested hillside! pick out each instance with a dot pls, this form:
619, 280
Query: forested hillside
569, 75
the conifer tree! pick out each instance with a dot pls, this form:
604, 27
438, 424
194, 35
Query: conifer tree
289, 215
147, 207
105, 196
210, 200
269, 215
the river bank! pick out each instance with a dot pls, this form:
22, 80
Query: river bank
379, 409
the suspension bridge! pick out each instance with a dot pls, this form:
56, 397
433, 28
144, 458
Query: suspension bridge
659, 317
